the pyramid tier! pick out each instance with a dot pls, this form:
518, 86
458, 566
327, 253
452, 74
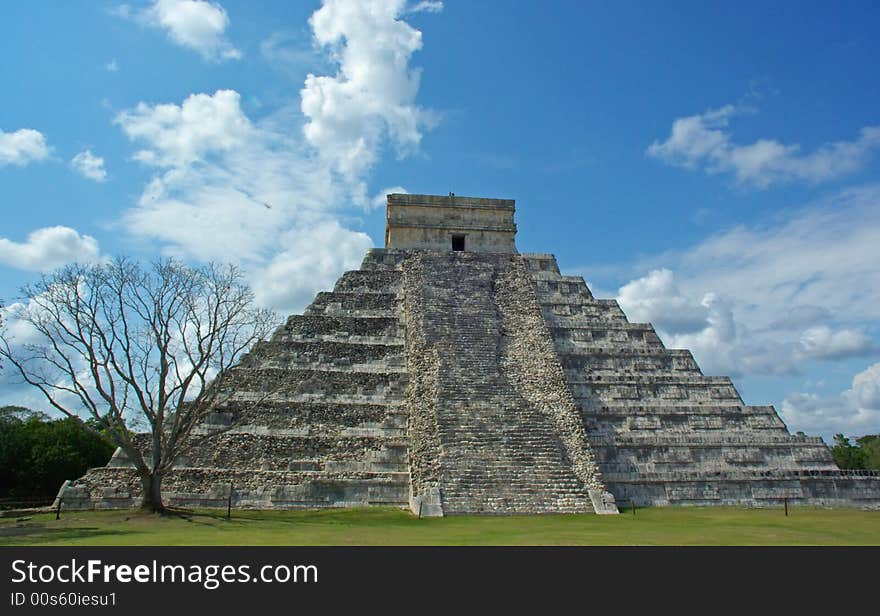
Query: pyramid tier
662, 432
313, 417
110, 488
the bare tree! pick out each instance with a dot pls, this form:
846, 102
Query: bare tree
129, 345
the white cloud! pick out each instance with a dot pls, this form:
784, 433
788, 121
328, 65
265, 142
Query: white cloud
196, 24
428, 6
865, 391
656, 298
229, 189
182, 134
381, 198
112, 66
225, 188
770, 299
855, 411
48, 248
821, 342
704, 140
312, 259
24, 146
373, 92
89, 166
256, 192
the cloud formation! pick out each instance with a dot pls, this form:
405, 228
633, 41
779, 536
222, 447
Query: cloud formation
89, 166
179, 135
769, 300
48, 248
195, 24
656, 298
427, 6
23, 146
855, 411
373, 92
224, 186
271, 194
704, 141
229, 189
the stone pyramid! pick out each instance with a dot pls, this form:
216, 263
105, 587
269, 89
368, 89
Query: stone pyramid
451, 374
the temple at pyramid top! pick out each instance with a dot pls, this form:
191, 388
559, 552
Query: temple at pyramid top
467, 224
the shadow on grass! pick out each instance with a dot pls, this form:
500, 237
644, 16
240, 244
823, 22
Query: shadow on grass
361, 516
34, 533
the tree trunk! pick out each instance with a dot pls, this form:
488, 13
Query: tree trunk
152, 486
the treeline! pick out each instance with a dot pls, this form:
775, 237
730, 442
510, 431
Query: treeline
37, 453
863, 454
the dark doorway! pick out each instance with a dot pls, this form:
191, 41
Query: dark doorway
458, 243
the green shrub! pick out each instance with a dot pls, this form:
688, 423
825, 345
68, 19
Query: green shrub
38, 453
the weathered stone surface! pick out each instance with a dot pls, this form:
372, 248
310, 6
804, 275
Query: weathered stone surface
479, 381
423, 365
427, 222
503, 447
665, 434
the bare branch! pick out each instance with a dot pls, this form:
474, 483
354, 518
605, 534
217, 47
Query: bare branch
121, 342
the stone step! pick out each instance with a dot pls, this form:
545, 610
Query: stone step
499, 454
553, 308
683, 380
277, 352
597, 336
277, 384
697, 475
312, 430
561, 286
342, 338
592, 392
340, 326
743, 438
355, 304
274, 452
383, 259
391, 364
626, 364
682, 423
369, 281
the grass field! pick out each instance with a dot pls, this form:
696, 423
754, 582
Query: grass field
376, 526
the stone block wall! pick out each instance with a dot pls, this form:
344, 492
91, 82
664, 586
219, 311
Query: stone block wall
662, 432
316, 415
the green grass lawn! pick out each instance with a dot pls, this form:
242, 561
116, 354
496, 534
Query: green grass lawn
380, 526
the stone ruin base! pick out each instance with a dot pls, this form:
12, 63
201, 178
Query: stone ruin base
119, 488
827, 488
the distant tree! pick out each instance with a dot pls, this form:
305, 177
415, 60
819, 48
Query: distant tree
870, 446
131, 346
38, 453
20, 413
847, 455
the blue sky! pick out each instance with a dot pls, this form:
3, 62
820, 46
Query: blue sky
715, 168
